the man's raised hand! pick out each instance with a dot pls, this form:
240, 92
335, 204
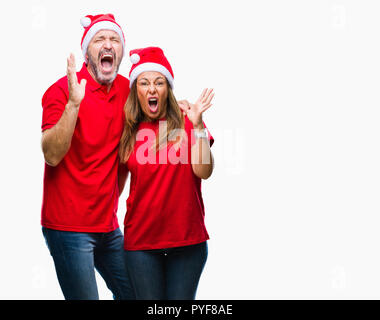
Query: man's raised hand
76, 90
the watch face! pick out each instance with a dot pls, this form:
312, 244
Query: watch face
201, 134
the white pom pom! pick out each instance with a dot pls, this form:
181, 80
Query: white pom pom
85, 22
135, 58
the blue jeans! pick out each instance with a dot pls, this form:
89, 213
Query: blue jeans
77, 254
166, 274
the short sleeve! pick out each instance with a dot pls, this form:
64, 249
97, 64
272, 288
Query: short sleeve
53, 104
210, 137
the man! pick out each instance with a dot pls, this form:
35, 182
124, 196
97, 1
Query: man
81, 128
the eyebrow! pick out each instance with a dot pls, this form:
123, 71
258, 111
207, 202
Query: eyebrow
158, 78
102, 37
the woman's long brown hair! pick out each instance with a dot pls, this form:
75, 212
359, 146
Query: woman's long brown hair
134, 115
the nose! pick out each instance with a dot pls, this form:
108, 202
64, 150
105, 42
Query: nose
107, 44
152, 88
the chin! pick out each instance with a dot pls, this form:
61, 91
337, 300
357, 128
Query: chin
106, 79
152, 116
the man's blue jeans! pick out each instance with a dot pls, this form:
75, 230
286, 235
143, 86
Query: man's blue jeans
77, 254
167, 274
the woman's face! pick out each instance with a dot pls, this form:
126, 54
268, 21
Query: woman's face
152, 92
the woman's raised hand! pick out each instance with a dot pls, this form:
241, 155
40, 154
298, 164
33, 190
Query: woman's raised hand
194, 111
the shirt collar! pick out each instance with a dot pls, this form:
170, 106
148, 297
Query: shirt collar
92, 84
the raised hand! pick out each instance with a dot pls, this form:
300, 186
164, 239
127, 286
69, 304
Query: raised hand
76, 90
194, 111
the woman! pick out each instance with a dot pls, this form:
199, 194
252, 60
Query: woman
167, 155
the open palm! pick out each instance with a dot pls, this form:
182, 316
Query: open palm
194, 111
76, 90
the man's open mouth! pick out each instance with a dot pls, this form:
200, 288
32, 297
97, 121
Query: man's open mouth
106, 61
153, 104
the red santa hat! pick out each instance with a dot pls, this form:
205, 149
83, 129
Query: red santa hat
93, 24
149, 59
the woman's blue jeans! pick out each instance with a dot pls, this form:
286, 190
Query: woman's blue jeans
76, 255
167, 274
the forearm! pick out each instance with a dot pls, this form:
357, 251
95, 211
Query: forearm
202, 160
56, 141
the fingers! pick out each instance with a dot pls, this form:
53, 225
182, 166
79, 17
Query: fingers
203, 103
184, 105
209, 97
183, 108
71, 63
83, 83
71, 71
206, 96
202, 95
206, 107
71, 60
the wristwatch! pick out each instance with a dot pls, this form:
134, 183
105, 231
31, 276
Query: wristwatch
201, 134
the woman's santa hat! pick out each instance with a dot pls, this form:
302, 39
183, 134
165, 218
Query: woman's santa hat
149, 59
93, 24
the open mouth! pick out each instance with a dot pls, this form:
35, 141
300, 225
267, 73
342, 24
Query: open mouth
153, 104
106, 61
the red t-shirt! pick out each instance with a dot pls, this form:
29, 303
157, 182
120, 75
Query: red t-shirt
165, 206
81, 192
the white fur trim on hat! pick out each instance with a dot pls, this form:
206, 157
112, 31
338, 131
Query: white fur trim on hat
149, 66
101, 25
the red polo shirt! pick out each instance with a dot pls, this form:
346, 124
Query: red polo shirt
165, 205
81, 192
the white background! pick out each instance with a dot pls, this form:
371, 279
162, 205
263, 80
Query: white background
293, 205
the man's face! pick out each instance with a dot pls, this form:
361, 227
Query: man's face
104, 55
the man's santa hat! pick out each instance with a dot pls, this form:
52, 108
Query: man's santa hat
149, 59
93, 24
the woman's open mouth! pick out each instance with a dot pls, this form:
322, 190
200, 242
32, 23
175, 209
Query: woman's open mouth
106, 62
153, 104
